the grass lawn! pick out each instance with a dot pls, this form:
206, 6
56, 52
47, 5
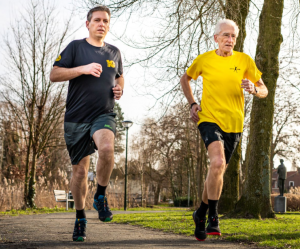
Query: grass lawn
154, 208
30, 211
282, 232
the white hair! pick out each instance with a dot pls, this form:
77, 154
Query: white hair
227, 22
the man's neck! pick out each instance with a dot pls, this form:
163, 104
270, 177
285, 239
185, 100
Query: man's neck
222, 53
95, 42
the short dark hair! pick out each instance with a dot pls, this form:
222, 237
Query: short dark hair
98, 8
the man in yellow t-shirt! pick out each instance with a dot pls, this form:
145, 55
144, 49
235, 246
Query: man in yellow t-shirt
220, 116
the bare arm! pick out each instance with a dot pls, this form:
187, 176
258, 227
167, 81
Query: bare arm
262, 90
118, 89
186, 87
187, 90
59, 74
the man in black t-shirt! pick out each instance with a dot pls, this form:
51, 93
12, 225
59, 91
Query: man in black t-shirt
95, 73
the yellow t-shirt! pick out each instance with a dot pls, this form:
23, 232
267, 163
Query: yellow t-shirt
222, 98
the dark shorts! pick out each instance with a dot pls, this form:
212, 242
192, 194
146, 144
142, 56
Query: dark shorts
79, 136
211, 132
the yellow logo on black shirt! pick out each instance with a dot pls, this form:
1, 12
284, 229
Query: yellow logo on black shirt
110, 64
58, 58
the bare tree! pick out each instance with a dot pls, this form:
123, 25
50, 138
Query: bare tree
36, 103
256, 200
285, 125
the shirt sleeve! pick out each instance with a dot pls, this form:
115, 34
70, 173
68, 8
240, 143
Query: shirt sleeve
195, 69
252, 73
66, 57
120, 66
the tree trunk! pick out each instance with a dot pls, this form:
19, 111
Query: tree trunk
156, 193
29, 145
198, 170
230, 192
236, 10
256, 200
32, 182
35, 144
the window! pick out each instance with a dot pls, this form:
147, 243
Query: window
291, 183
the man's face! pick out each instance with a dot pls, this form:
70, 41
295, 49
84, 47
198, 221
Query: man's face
99, 24
226, 38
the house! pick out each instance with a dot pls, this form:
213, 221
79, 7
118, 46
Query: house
292, 180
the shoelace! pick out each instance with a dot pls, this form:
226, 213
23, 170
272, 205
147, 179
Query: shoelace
80, 227
104, 204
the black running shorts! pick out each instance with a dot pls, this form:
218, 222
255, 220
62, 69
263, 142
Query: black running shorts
211, 132
79, 136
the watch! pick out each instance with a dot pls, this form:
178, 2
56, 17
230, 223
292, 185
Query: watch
193, 104
255, 90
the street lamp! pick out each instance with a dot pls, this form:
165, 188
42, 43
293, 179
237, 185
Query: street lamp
126, 124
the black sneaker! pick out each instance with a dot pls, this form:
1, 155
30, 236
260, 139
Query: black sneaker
79, 230
213, 226
200, 233
102, 207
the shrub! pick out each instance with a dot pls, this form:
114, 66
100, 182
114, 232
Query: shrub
182, 202
293, 201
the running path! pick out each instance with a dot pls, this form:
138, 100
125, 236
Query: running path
55, 231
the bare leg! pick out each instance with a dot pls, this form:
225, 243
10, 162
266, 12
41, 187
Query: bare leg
79, 185
214, 180
104, 140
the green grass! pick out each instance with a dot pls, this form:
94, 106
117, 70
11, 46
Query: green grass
282, 232
30, 211
154, 208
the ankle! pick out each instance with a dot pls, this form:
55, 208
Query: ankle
202, 210
100, 191
212, 207
80, 214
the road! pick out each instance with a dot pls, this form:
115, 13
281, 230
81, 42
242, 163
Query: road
55, 231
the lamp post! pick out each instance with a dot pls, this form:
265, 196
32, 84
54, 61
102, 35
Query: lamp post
126, 124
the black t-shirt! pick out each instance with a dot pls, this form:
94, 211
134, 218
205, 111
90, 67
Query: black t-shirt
89, 96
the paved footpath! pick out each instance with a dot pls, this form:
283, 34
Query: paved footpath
55, 231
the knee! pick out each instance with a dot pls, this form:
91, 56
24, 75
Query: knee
106, 149
217, 166
80, 174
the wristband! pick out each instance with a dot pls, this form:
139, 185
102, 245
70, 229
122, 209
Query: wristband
193, 104
255, 90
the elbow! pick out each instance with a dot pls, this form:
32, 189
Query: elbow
52, 77
267, 92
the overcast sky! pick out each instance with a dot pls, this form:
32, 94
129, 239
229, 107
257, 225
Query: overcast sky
134, 106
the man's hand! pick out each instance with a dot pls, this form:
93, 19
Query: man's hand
248, 86
94, 69
194, 113
117, 92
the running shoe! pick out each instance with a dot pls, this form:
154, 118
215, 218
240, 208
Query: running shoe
102, 207
79, 230
213, 226
200, 233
